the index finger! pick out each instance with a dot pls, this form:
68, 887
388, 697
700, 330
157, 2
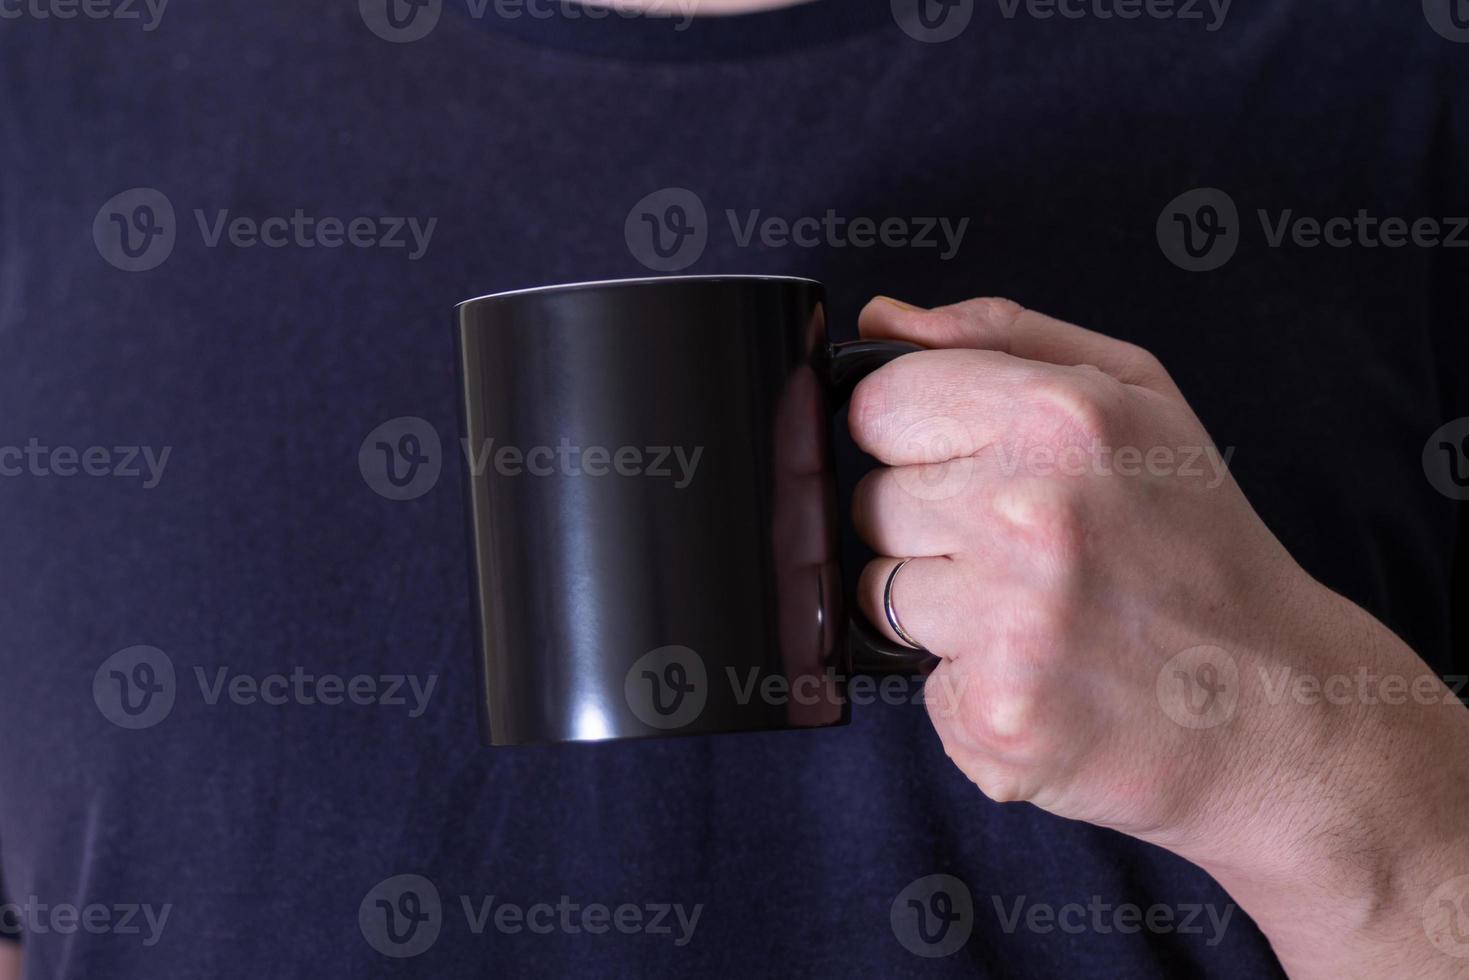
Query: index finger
1006, 326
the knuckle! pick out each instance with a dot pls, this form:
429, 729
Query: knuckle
1001, 784
1006, 718
1003, 788
870, 413
1084, 409
1145, 361
1049, 515
994, 312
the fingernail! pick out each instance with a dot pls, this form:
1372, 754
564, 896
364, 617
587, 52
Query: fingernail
900, 304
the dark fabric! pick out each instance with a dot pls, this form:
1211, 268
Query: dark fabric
262, 547
9, 929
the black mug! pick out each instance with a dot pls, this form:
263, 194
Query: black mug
653, 509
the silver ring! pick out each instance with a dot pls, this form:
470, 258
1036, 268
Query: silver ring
887, 607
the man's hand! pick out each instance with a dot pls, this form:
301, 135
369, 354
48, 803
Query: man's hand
1124, 642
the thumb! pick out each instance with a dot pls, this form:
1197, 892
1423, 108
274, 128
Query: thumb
1001, 325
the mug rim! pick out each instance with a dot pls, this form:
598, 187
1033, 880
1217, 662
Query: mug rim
634, 281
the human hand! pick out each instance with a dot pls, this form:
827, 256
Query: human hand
1108, 608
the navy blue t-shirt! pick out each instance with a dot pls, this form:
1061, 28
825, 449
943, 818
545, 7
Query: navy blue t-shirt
237, 690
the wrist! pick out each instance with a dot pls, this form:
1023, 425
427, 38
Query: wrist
1334, 819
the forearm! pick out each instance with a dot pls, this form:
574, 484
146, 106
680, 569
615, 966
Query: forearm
1363, 819
9, 960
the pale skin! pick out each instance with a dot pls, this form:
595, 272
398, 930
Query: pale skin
1057, 591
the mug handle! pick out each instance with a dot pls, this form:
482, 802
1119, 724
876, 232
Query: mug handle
844, 365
